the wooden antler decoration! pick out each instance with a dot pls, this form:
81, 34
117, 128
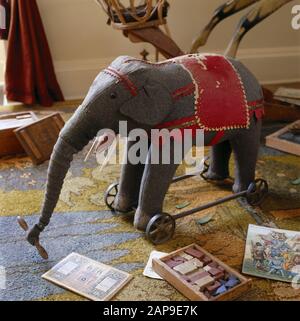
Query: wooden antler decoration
263, 9
226, 10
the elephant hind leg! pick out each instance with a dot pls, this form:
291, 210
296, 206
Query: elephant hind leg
219, 161
245, 148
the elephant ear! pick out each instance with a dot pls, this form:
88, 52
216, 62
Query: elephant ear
151, 105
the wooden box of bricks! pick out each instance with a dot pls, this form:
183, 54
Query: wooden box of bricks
200, 276
39, 138
286, 139
9, 144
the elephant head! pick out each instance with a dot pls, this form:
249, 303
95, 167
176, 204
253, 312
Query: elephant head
127, 90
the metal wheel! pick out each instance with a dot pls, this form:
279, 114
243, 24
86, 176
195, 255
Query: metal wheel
110, 195
257, 192
160, 228
205, 167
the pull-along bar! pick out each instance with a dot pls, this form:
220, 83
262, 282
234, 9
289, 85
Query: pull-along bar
204, 170
161, 227
214, 203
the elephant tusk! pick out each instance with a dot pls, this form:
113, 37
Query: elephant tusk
109, 154
99, 145
91, 150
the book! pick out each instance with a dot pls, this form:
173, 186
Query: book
273, 254
88, 278
292, 93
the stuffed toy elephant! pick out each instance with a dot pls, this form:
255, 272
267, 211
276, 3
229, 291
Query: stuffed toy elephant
210, 92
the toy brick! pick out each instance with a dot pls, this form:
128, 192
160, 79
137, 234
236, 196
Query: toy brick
212, 288
221, 290
195, 253
186, 278
186, 256
207, 294
196, 287
178, 258
185, 268
232, 282
213, 265
221, 268
196, 262
219, 276
214, 271
207, 268
198, 275
206, 260
171, 263
204, 282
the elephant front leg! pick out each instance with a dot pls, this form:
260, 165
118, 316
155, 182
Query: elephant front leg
154, 186
129, 184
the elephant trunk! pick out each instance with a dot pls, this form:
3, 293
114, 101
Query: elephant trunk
75, 135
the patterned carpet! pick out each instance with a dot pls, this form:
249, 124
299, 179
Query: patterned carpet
82, 224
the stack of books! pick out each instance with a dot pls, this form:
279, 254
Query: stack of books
288, 95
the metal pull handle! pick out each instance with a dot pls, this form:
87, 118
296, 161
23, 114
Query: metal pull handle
42, 252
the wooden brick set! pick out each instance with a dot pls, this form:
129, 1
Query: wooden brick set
200, 276
23, 132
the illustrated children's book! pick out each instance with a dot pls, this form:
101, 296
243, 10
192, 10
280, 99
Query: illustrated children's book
273, 254
91, 279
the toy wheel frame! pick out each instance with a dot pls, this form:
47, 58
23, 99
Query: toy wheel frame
257, 192
110, 195
160, 228
205, 168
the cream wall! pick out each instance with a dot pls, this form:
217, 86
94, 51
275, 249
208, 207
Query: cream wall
82, 43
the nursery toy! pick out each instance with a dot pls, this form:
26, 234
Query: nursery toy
209, 92
162, 226
262, 10
141, 22
213, 280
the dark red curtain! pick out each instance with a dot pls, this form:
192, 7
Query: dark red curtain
30, 76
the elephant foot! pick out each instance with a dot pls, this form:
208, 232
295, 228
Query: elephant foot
218, 179
123, 204
141, 220
239, 187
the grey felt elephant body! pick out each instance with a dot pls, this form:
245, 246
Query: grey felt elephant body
211, 92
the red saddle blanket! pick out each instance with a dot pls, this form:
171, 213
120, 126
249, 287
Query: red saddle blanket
220, 100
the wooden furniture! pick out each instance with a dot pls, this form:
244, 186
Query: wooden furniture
39, 137
276, 141
141, 23
279, 111
183, 284
9, 144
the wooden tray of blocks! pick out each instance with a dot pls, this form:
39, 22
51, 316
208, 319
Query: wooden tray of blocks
200, 276
39, 137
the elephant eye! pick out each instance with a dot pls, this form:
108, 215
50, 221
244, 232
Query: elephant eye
113, 95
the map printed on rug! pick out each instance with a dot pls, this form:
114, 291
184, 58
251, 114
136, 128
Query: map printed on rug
91, 279
273, 254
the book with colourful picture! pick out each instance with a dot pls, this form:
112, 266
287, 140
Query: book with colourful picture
86, 277
272, 253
